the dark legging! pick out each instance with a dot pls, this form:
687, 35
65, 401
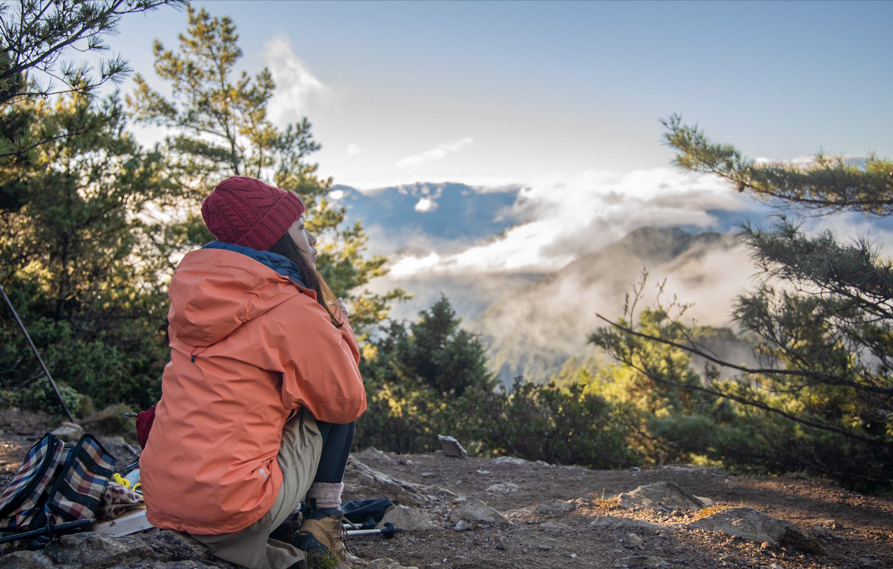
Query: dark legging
336, 443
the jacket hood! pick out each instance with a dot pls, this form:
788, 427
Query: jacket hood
221, 286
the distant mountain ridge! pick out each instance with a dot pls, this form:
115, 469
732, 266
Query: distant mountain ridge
429, 214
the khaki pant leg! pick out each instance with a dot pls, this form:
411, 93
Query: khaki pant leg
298, 459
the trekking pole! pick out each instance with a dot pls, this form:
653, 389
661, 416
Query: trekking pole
36, 353
387, 531
368, 524
77, 524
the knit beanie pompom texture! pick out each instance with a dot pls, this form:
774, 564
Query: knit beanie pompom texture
245, 211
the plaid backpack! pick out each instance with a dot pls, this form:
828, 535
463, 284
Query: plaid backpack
56, 484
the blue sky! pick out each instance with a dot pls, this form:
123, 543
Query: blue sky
563, 99
492, 92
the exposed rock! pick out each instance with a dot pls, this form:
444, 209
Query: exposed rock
611, 522
510, 460
707, 502
26, 560
175, 546
113, 441
651, 562
554, 527
372, 454
632, 541
451, 447
409, 519
505, 488
555, 507
664, 496
68, 431
360, 482
462, 525
823, 533
746, 523
96, 550
476, 511
387, 563
91, 550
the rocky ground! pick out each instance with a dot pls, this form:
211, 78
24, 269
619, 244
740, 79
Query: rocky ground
508, 513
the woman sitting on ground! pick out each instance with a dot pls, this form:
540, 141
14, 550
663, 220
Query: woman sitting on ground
263, 387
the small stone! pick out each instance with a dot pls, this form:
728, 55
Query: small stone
554, 527
428, 475
504, 488
510, 460
409, 519
574, 556
451, 447
500, 547
555, 507
544, 547
632, 541
372, 454
476, 511
482, 471
708, 502
462, 525
745, 523
659, 496
113, 441
69, 432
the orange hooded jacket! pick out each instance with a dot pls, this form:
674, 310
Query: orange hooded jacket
249, 347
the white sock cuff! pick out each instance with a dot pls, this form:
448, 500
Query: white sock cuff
326, 494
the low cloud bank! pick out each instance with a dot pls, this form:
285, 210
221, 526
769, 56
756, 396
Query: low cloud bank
568, 218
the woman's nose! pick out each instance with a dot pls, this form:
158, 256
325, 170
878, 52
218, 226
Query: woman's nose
312, 239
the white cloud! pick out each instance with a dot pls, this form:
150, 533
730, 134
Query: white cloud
570, 217
297, 88
438, 153
354, 149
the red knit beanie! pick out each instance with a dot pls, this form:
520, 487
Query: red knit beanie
244, 211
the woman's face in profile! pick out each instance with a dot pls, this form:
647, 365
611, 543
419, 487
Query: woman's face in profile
304, 240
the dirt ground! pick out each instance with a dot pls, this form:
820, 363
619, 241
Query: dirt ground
853, 530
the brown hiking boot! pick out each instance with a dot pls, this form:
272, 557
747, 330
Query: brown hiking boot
321, 537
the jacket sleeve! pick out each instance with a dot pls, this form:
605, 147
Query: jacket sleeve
319, 362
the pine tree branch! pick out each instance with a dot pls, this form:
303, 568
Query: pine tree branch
748, 402
818, 377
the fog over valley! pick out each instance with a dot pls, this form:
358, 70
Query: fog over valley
528, 267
